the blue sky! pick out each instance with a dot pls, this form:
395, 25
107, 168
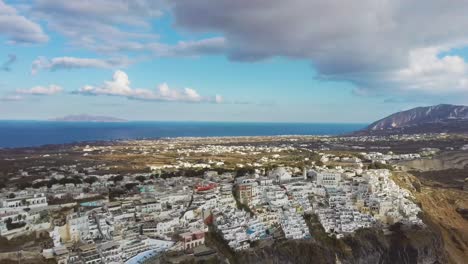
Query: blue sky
164, 61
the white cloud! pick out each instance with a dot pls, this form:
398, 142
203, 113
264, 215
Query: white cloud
120, 86
370, 43
429, 72
11, 98
59, 63
386, 46
166, 94
17, 28
20, 94
113, 26
100, 23
41, 90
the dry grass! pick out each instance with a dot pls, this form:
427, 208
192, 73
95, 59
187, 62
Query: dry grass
440, 205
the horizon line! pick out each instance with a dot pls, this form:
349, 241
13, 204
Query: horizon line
185, 121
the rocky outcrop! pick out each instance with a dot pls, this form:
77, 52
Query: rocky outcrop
415, 245
432, 119
442, 214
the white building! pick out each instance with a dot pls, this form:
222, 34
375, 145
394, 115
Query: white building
328, 179
78, 227
280, 175
31, 201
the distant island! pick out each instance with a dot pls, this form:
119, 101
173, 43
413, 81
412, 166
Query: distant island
87, 118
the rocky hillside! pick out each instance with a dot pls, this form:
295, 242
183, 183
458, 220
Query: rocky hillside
366, 246
445, 213
432, 119
404, 245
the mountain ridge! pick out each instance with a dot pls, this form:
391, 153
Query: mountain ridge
442, 118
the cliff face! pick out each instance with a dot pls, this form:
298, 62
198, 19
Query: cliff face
431, 119
366, 246
443, 211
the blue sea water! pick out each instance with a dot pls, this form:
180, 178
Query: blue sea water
36, 133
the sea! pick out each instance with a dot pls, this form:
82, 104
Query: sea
15, 134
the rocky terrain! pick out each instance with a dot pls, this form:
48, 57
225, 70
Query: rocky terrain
438, 184
409, 245
436, 181
444, 211
442, 118
439, 192
447, 169
444, 240
443, 161
366, 246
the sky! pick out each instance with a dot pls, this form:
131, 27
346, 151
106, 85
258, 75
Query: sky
221, 60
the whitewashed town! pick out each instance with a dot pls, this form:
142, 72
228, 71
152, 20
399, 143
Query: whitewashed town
134, 218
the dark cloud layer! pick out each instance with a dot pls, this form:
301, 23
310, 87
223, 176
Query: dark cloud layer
402, 47
368, 42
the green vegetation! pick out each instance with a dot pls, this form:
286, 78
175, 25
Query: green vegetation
130, 186
140, 178
10, 225
116, 193
67, 180
116, 179
23, 185
379, 165
91, 180
244, 171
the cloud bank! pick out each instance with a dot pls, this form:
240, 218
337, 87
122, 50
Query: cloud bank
41, 90
21, 94
380, 46
100, 24
398, 47
120, 86
17, 28
216, 45
113, 26
60, 63
11, 98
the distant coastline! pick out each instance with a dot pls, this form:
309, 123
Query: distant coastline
15, 134
87, 118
